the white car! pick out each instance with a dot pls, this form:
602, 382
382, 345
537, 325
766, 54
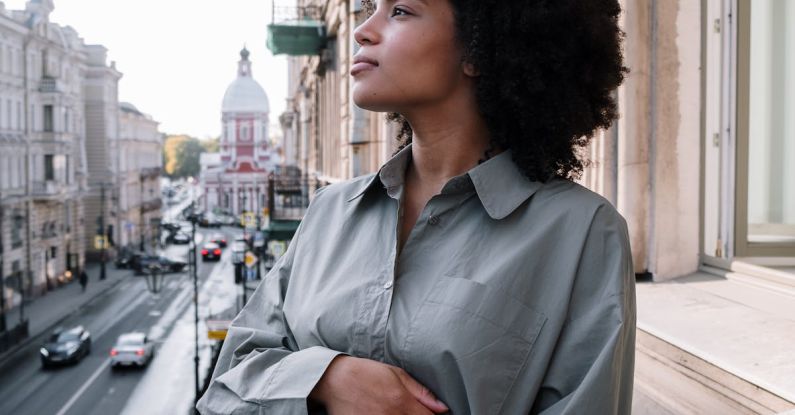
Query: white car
132, 349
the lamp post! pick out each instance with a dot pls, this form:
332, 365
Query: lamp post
141, 211
192, 260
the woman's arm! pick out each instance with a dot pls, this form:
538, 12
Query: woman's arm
259, 369
591, 371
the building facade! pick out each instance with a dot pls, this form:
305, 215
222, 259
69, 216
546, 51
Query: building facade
140, 163
236, 180
43, 160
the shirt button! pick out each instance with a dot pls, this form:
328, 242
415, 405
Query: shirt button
388, 285
433, 220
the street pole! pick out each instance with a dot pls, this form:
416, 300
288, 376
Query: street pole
195, 304
102, 230
257, 235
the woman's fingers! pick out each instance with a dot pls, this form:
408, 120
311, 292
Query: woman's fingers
420, 392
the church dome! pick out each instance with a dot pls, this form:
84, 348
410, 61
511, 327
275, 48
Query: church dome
245, 94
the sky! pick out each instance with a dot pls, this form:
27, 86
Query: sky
178, 56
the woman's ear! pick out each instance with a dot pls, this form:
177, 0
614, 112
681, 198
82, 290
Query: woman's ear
470, 70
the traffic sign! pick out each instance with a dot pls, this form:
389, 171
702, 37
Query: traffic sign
251, 259
100, 241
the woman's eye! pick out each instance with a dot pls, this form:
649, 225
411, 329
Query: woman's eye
397, 11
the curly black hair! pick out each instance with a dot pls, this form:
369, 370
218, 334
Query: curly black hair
547, 72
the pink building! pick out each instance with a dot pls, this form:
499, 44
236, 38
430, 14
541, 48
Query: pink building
236, 179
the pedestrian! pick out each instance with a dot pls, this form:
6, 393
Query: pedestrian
83, 280
471, 274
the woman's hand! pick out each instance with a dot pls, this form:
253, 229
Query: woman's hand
352, 386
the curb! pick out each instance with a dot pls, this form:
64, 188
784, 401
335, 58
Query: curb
11, 353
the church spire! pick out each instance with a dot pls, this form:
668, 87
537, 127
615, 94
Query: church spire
244, 65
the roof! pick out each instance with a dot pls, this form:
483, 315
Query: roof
245, 94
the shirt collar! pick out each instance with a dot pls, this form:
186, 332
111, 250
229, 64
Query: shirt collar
500, 185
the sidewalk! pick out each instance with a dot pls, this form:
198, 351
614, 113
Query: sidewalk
44, 313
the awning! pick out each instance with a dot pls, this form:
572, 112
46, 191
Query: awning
281, 230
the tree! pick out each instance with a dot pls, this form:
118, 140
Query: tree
181, 156
211, 145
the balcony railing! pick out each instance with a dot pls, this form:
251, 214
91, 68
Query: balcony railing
49, 85
46, 188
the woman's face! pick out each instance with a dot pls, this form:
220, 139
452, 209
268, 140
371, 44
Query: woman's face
409, 57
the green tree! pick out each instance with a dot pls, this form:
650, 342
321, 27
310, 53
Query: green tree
181, 156
211, 145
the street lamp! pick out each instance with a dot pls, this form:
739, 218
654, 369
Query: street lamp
154, 278
192, 260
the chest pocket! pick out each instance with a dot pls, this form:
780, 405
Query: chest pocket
468, 342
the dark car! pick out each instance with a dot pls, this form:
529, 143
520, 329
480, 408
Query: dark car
219, 239
141, 263
66, 346
211, 252
125, 258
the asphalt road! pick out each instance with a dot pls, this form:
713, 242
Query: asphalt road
90, 386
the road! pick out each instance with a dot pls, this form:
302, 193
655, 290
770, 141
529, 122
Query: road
91, 387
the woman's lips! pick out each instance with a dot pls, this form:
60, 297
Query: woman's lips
361, 64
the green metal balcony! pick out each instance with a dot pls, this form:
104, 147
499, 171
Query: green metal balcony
297, 37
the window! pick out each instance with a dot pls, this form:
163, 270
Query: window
19, 116
17, 222
48, 113
49, 167
765, 205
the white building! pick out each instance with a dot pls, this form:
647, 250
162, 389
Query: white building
42, 161
140, 163
238, 181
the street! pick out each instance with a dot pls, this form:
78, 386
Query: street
91, 386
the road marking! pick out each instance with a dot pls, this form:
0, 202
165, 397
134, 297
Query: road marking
83, 388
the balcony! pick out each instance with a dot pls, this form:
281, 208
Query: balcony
151, 205
150, 173
48, 84
47, 189
297, 37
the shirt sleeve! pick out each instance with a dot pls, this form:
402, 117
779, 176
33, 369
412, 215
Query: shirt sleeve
592, 368
260, 369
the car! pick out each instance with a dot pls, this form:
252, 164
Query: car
141, 263
211, 252
209, 221
219, 239
132, 349
66, 345
125, 258
181, 238
171, 226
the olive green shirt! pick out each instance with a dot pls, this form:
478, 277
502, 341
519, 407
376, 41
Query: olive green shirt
509, 297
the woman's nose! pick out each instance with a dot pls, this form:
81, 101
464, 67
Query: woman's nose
366, 33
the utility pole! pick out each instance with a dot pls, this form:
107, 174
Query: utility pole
102, 232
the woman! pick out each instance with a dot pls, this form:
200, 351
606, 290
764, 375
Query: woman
469, 275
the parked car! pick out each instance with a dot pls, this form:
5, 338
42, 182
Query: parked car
219, 239
209, 221
66, 346
131, 349
211, 252
125, 257
180, 238
141, 263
